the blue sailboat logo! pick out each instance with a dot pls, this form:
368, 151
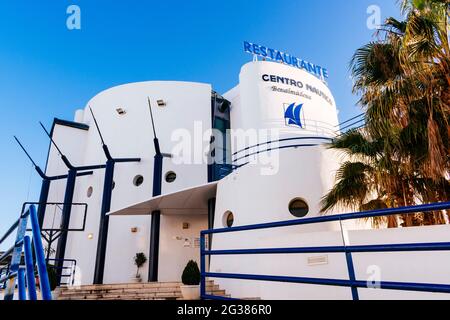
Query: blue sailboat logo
292, 115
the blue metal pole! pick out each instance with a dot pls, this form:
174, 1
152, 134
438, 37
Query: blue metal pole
40, 257
43, 200
31, 283
21, 284
65, 222
350, 266
202, 267
156, 217
351, 275
104, 223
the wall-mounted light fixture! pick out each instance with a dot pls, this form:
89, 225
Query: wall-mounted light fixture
90, 236
134, 230
161, 103
185, 225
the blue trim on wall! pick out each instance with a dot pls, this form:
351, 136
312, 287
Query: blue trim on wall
72, 124
66, 123
277, 148
283, 140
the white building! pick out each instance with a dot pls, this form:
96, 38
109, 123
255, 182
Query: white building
280, 117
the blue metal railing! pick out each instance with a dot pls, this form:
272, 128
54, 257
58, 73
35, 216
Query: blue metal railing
352, 283
248, 153
15, 270
70, 275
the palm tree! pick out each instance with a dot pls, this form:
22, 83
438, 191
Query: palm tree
403, 78
371, 178
365, 181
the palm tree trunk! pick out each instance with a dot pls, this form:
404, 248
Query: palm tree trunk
392, 222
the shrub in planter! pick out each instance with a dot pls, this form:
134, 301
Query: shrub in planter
191, 281
52, 277
191, 274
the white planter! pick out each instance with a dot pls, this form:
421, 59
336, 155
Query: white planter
55, 294
190, 292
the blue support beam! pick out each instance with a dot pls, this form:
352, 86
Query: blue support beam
156, 216
31, 282
104, 222
202, 266
21, 284
40, 257
43, 197
65, 222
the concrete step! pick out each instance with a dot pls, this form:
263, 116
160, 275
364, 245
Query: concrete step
128, 291
129, 285
133, 296
132, 291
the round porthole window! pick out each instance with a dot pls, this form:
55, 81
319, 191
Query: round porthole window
298, 208
228, 219
171, 176
138, 180
89, 192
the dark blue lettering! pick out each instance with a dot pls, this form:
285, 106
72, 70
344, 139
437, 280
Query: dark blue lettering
263, 51
247, 47
256, 49
311, 68
319, 70
303, 65
286, 58
279, 57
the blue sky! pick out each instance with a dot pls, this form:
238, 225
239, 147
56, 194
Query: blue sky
49, 71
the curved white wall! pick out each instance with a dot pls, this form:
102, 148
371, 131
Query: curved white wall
255, 194
261, 100
129, 135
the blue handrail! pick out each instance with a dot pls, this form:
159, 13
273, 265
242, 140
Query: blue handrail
71, 268
23, 243
352, 283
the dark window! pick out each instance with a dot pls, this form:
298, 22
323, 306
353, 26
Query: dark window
229, 219
138, 180
89, 192
220, 155
298, 208
171, 176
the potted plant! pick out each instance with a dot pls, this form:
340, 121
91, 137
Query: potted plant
53, 280
139, 260
52, 276
191, 280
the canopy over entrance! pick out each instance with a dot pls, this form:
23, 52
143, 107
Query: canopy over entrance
188, 201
